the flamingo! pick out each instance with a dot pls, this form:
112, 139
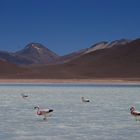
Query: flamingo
43, 112
24, 96
85, 100
134, 112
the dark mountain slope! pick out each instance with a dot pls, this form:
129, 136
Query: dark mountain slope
33, 53
8, 70
118, 61
121, 61
37, 53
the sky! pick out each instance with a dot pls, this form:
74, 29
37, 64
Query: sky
65, 26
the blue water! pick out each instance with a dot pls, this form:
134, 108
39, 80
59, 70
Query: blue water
105, 117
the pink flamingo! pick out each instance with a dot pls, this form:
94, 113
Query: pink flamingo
43, 112
134, 112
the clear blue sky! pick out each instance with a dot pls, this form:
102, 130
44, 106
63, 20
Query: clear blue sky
65, 26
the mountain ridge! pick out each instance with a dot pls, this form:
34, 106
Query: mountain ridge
102, 60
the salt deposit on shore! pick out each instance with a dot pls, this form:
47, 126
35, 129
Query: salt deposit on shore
82, 81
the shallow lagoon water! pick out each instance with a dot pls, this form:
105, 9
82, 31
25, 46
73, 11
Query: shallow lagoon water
105, 117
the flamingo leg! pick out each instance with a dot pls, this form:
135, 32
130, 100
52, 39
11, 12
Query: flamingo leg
137, 118
45, 117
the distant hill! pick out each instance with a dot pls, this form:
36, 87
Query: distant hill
117, 59
33, 53
122, 60
8, 70
37, 54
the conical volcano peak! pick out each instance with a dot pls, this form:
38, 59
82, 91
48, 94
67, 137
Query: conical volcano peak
37, 53
36, 46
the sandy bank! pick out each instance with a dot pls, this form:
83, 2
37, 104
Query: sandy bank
82, 81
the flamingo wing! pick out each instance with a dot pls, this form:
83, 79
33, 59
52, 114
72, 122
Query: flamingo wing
136, 112
46, 111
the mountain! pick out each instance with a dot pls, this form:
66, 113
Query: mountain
33, 53
9, 70
97, 46
117, 59
37, 54
13, 58
122, 60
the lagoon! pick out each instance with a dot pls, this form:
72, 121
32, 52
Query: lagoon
105, 117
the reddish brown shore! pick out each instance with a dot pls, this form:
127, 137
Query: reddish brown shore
74, 81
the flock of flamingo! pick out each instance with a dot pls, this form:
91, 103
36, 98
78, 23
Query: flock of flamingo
41, 112
46, 112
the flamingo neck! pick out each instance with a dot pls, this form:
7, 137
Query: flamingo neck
38, 111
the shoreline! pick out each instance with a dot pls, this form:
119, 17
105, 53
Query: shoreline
70, 81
